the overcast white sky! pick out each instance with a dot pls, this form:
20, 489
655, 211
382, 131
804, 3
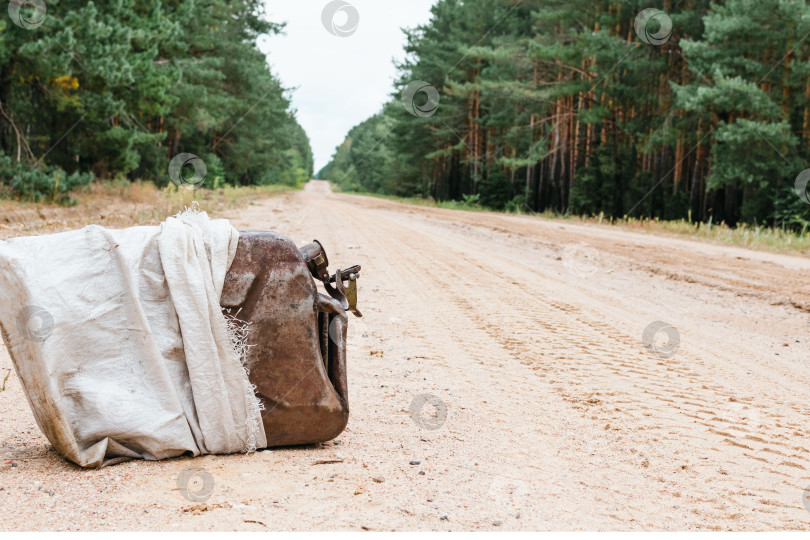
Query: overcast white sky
340, 81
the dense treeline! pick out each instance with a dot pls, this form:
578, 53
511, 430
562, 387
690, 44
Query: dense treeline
561, 105
117, 89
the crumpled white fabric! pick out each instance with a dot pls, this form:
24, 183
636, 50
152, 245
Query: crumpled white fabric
120, 343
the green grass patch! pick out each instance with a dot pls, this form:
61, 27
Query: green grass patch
758, 237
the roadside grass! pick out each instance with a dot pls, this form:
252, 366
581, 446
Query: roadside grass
124, 204
159, 203
757, 237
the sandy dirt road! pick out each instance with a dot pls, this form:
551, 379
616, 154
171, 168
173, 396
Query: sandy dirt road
552, 412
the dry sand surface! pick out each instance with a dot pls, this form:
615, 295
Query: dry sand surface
528, 333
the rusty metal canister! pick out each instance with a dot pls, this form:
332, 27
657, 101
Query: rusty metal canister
297, 360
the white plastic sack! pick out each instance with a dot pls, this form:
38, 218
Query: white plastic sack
120, 343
